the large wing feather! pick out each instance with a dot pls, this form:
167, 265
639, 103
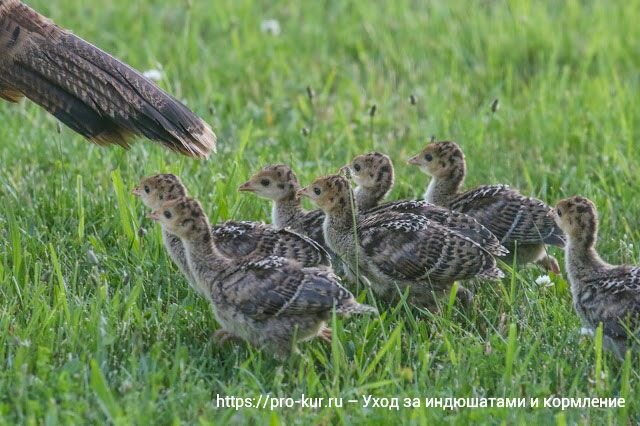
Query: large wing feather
273, 287
89, 90
405, 246
461, 223
240, 239
511, 216
612, 296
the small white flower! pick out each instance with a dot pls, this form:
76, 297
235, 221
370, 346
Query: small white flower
270, 26
153, 74
544, 281
585, 331
125, 386
92, 257
25, 343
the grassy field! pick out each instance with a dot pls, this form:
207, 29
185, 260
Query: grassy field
97, 325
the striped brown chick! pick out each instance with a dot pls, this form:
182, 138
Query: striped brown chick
271, 303
522, 224
373, 174
233, 239
279, 184
399, 251
602, 293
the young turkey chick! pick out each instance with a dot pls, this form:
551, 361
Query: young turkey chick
234, 239
398, 250
279, 184
522, 224
602, 293
373, 173
269, 302
374, 176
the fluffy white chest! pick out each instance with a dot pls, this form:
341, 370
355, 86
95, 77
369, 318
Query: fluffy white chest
275, 217
429, 193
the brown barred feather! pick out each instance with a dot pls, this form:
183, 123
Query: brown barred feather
89, 90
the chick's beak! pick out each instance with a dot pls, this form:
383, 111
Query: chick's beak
136, 191
414, 161
246, 187
304, 192
345, 171
154, 215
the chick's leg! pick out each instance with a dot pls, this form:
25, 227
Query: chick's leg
549, 263
325, 334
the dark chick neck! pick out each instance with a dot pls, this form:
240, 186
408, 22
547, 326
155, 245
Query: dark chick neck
204, 259
341, 217
442, 190
286, 211
370, 196
339, 230
175, 248
581, 251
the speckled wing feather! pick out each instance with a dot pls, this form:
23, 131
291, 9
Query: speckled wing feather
90, 91
405, 246
511, 216
456, 221
611, 297
619, 280
240, 239
274, 287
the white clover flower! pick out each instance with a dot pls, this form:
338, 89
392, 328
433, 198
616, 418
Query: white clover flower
544, 281
270, 26
586, 331
153, 74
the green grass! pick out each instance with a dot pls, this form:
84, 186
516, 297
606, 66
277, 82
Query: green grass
96, 324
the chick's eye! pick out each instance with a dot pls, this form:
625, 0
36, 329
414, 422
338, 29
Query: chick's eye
559, 212
264, 182
167, 214
428, 157
146, 189
356, 167
317, 191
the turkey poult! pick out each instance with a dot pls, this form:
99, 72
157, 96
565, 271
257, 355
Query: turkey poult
233, 239
279, 184
398, 251
90, 91
602, 293
522, 224
374, 175
269, 302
